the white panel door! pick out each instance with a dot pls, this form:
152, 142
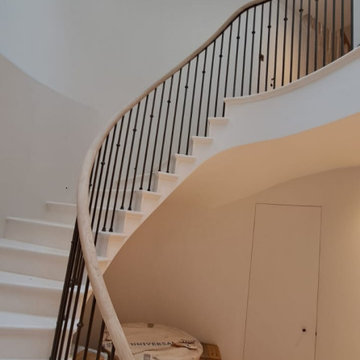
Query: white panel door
282, 307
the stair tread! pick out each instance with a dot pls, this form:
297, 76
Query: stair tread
202, 138
60, 203
166, 174
21, 245
40, 222
11, 320
218, 119
133, 212
147, 192
29, 281
186, 157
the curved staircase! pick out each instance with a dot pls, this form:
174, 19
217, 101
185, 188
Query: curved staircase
144, 154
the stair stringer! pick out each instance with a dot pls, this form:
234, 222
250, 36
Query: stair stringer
267, 116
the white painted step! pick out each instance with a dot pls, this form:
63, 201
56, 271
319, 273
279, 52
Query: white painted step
165, 183
147, 201
60, 212
217, 125
28, 294
184, 164
25, 336
126, 221
38, 232
109, 243
201, 146
29, 259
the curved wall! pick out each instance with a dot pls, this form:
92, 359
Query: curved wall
43, 140
104, 54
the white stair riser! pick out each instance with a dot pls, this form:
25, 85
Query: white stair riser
215, 129
165, 186
126, 221
184, 167
108, 245
29, 300
61, 213
37, 233
32, 263
27, 343
146, 203
202, 149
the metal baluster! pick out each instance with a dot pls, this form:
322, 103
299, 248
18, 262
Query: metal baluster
72, 304
148, 139
352, 23
184, 105
192, 105
236, 55
244, 53
130, 156
292, 42
284, 44
166, 122
219, 73
102, 329
261, 56
308, 37
174, 121
268, 48
253, 32
156, 135
102, 153
316, 34
210, 82
227, 67
276, 42
342, 33
89, 329
120, 171
138, 152
112, 355
301, 10
201, 93
113, 170
65, 292
333, 31
107, 172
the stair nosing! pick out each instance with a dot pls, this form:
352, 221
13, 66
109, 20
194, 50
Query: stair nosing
39, 222
33, 248
57, 286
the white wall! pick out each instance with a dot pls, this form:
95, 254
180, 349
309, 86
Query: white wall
43, 139
192, 270
105, 53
